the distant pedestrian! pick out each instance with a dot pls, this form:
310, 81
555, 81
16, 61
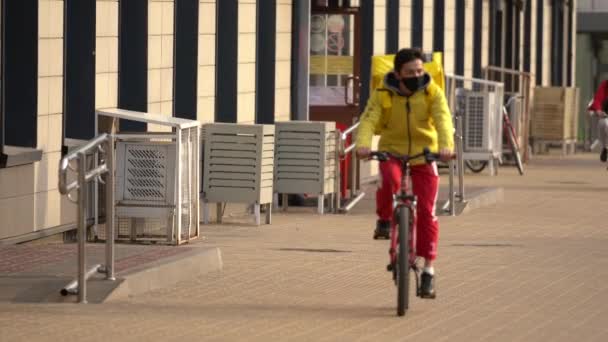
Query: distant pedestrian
599, 106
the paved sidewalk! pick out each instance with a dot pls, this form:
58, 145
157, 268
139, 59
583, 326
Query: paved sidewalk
534, 268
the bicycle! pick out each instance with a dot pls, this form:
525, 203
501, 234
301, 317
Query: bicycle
508, 132
403, 233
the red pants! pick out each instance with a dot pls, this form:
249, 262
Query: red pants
425, 185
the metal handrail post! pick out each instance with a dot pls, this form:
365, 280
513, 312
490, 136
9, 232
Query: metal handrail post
452, 196
338, 175
82, 226
110, 159
459, 155
353, 172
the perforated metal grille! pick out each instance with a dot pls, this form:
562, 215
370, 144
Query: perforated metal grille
475, 122
126, 229
146, 173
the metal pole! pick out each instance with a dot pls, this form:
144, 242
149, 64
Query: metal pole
353, 172
338, 176
82, 226
460, 152
451, 187
72, 287
353, 165
110, 209
177, 219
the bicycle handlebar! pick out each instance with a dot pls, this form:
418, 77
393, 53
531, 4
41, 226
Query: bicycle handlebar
429, 156
511, 99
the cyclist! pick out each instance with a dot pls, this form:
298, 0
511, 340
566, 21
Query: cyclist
409, 112
600, 98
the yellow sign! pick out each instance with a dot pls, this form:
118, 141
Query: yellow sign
331, 65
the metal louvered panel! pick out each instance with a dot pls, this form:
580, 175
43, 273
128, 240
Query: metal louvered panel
238, 160
305, 157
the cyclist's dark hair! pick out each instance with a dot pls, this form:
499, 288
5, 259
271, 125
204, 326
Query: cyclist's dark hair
406, 56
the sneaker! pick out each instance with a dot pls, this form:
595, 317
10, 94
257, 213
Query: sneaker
383, 230
427, 286
604, 154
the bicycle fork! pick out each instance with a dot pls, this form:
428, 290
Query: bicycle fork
410, 202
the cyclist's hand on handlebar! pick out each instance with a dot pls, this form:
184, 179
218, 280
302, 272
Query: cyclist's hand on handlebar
446, 154
363, 152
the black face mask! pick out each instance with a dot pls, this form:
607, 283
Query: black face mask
413, 84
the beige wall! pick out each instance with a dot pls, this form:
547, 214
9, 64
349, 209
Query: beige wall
283, 66
574, 4
206, 61
547, 44
246, 62
533, 43
29, 199
405, 26
469, 28
160, 59
485, 34
449, 54
379, 27
106, 54
427, 32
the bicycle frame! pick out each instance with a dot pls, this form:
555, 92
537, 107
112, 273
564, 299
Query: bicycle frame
507, 126
506, 120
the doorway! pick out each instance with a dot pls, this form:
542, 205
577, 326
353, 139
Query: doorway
334, 82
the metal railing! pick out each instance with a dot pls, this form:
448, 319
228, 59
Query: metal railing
84, 175
454, 166
355, 194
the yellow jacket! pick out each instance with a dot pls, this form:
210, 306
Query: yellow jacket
407, 125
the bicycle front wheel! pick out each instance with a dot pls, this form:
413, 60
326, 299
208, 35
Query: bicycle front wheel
403, 262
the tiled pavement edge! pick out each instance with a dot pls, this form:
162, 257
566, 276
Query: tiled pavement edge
36, 273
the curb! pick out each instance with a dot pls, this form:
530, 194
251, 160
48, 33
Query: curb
475, 199
166, 272
484, 198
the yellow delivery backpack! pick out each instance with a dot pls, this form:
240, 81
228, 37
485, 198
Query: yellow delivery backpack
381, 65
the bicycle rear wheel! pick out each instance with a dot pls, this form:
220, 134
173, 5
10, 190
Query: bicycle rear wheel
403, 281
476, 165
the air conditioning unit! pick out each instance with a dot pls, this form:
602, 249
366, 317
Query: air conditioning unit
480, 120
157, 178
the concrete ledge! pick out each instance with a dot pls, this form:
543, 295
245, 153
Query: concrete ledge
36, 287
475, 199
483, 198
167, 272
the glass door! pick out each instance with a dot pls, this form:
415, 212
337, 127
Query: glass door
334, 64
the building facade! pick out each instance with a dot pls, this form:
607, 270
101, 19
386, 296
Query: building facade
242, 61
591, 59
